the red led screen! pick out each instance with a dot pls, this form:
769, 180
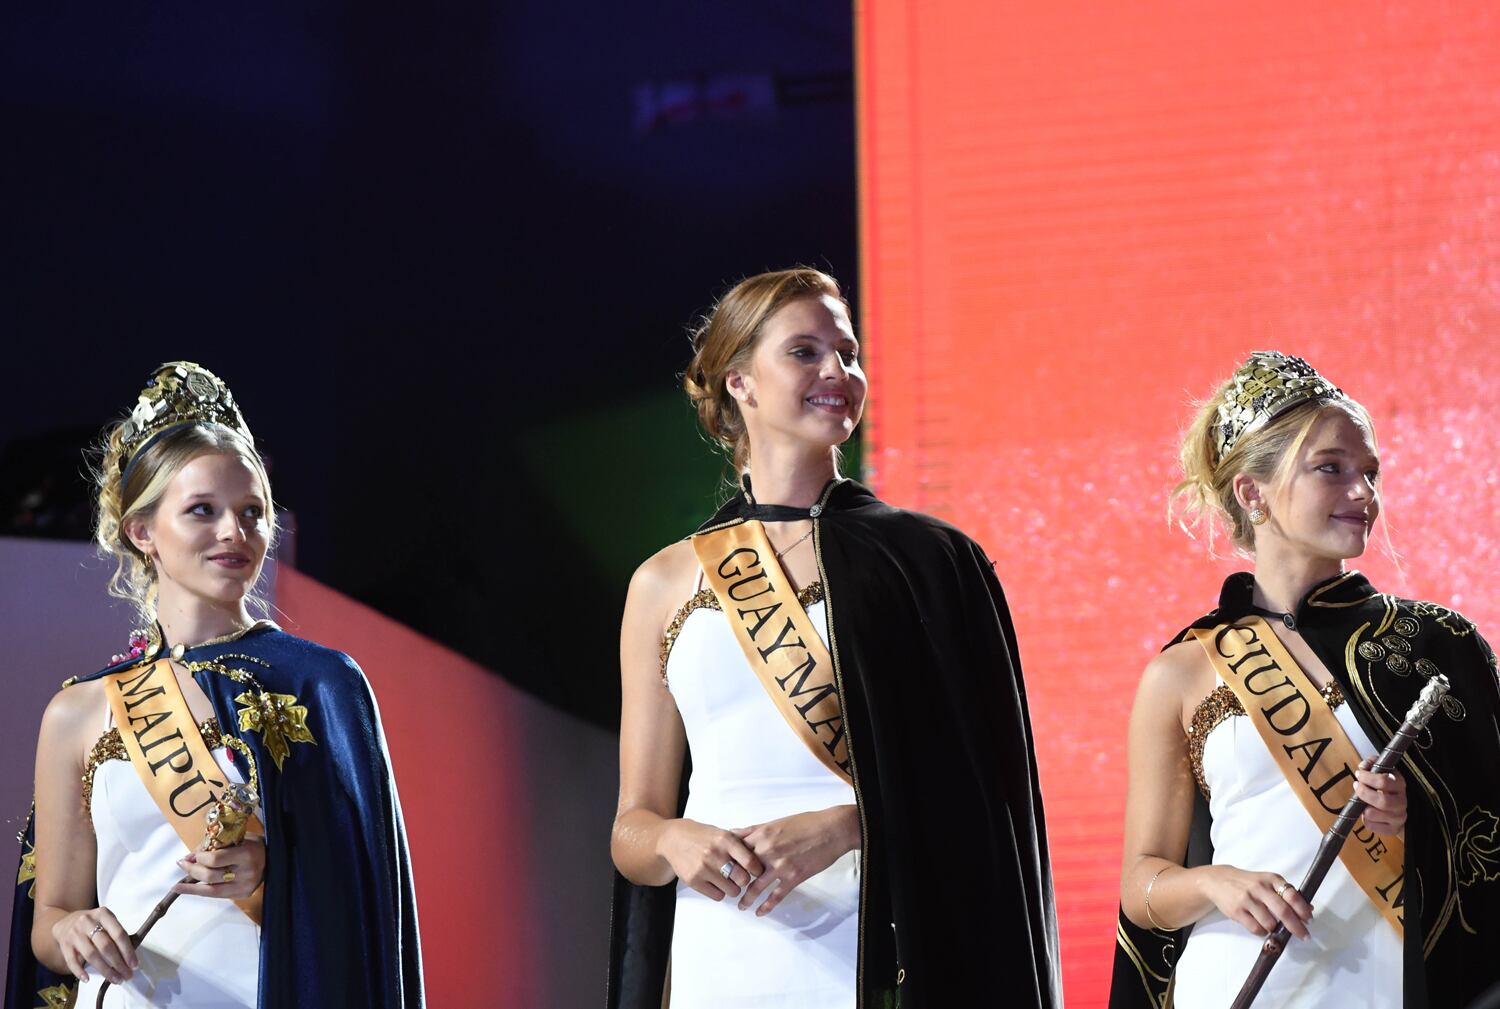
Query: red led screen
1076, 217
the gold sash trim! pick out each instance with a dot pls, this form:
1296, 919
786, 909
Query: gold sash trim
168, 752
777, 636
1310, 747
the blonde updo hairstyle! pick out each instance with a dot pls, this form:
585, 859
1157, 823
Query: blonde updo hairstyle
725, 340
1205, 497
134, 578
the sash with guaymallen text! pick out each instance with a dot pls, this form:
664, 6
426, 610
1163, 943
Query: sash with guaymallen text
777, 636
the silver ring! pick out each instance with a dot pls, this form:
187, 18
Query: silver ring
1282, 889
96, 931
726, 870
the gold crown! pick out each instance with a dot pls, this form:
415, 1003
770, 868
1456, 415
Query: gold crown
177, 394
1267, 385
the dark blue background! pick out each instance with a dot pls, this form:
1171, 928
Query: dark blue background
445, 271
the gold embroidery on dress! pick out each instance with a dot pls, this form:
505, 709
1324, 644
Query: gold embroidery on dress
1316, 599
111, 747
810, 593
28, 867
278, 718
1454, 623
1221, 703
61, 996
1146, 973
1478, 849
1395, 650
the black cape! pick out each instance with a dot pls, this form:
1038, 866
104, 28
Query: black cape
956, 888
1452, 879
339, 925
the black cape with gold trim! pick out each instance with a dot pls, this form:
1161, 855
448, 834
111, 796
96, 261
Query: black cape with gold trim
1452, 879
957, 886
340, 921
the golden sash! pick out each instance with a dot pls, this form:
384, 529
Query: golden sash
777, 636
168, 752
1310, 747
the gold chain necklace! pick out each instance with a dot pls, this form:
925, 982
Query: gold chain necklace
177, 650
797, 542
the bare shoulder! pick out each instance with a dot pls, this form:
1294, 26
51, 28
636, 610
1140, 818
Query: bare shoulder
76, 704
1183, 661
1180, 674
73, 716
662, 583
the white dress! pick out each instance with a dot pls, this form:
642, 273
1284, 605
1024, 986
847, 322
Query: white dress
205, 953
748, 768
1353, 956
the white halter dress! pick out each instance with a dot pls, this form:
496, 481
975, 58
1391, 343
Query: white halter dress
748, 768
205, 953
1352, 959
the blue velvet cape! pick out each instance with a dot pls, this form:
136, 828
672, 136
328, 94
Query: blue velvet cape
340, 919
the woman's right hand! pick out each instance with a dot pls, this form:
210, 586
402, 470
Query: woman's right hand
1260, 901
95, 938
697, 852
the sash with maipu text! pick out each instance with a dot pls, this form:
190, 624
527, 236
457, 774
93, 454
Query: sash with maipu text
168, 752
1309, 746
777, 636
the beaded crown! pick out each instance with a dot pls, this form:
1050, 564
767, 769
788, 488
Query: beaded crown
177, 394
1267, 385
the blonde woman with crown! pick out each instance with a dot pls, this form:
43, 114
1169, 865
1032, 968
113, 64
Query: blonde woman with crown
1255, 724
314, 905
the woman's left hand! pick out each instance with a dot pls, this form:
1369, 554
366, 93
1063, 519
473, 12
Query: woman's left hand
1385, 795
230, 873
796, 848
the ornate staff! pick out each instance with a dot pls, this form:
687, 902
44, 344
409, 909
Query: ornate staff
1416, 720
227, 819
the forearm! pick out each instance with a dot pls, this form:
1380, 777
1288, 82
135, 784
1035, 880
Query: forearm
43, 942
635, 846
1178, 896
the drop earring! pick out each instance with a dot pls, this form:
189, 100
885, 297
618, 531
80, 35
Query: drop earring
1258, 516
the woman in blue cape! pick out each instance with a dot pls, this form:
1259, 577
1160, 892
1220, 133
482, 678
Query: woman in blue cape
315, 906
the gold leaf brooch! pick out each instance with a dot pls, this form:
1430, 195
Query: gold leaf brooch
278, 718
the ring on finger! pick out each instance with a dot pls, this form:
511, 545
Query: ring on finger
96, 930
1282, 889
726, 870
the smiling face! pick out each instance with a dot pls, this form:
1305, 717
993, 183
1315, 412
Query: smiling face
804, 383
1327, 499
209, 533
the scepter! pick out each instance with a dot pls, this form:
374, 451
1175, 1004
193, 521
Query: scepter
1417, 718
227, 819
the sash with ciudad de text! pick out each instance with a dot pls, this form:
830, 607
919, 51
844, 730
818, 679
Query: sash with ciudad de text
168, 752
1309, 746
777, 636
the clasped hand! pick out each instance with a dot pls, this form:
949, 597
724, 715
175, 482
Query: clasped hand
95, 938
778, 855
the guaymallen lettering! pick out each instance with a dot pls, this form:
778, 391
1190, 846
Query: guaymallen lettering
777, 636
